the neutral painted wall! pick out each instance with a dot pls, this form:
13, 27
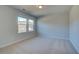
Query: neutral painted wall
54, 26
74, 27
8, 26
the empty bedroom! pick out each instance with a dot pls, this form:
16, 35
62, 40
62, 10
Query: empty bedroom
39, 29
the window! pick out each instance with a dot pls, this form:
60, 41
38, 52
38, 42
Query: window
22, 24
30, 25
25, 25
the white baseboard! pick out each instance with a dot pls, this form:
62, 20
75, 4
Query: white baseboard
13, 42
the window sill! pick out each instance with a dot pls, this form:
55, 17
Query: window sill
26, 32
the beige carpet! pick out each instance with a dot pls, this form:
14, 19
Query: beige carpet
40, 46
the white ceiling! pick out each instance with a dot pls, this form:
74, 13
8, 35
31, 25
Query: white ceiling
47, 9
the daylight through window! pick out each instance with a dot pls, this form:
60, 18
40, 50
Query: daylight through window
25, 25
30, 25
22, 24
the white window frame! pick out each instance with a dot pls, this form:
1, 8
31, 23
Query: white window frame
20, 30
30, 25
27, 25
